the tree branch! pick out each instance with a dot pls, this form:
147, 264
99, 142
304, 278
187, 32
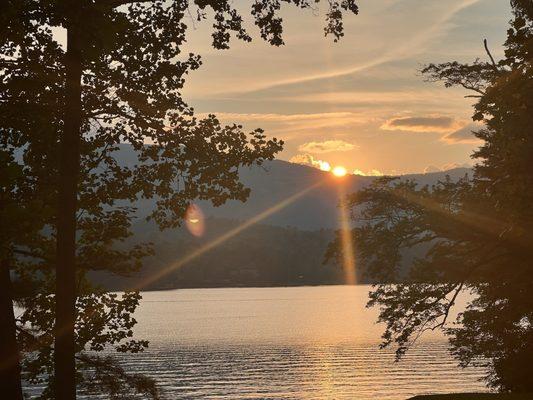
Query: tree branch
494, 65
31, 254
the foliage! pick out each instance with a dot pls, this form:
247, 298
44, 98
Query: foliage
104, 321
477, 231
133, 71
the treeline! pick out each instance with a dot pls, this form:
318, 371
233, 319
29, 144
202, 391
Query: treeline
261, 255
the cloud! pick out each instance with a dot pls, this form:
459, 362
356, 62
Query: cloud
300, 126
449, 166
456, 131
415, 44
446, 167
336, 118
307, 159
372, 172
277, 117
463, 135
422, 124
367, 98
431, 168
326, 146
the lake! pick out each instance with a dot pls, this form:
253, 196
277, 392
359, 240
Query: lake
284, 343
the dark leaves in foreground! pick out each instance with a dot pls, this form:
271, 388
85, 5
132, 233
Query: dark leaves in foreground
473, 237
133, 73
105, 374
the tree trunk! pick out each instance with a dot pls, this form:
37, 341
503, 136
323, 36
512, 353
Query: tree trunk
10, 384
64, 347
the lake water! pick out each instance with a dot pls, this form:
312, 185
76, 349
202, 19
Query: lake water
283, 343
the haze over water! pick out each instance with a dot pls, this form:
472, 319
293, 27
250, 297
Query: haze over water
283, 343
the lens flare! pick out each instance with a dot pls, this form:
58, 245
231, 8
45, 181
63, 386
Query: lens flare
194, 220
339, 171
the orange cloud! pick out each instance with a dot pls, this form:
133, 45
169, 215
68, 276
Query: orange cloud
463, 135
326, 146
432, 168
372, 172
422, 124
447, 167
307, 159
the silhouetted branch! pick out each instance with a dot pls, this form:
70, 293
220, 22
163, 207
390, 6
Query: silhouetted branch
490, 55
31, 254
118, 3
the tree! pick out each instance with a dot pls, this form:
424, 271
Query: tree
118, 81
475, 234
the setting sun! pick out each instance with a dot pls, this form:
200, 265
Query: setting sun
339, 171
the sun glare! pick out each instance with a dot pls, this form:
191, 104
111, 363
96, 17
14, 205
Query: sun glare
339, 171
194, 220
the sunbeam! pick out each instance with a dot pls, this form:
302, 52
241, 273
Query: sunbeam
471, 220
348, 257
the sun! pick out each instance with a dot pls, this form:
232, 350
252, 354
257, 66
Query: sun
339, 171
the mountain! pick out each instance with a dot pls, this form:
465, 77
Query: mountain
279, 180
262, 255
286, 247
276, 181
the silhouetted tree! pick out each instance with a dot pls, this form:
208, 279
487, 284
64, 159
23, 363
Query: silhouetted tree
64, 111
477, 231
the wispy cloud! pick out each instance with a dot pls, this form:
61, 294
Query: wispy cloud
346, 91
372, 172
446, 167
289, 117
367, 97
431, 168
422, 124
309, 160
300, 125
414, 45
326, 146
455, 131
463, 135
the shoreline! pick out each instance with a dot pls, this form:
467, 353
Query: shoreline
475, 396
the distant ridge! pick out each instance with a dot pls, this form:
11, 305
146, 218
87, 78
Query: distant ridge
318, 209
286, 248
277, 180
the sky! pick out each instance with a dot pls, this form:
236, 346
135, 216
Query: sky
360, 102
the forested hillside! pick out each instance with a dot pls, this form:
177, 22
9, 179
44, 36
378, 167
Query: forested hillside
262, 255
